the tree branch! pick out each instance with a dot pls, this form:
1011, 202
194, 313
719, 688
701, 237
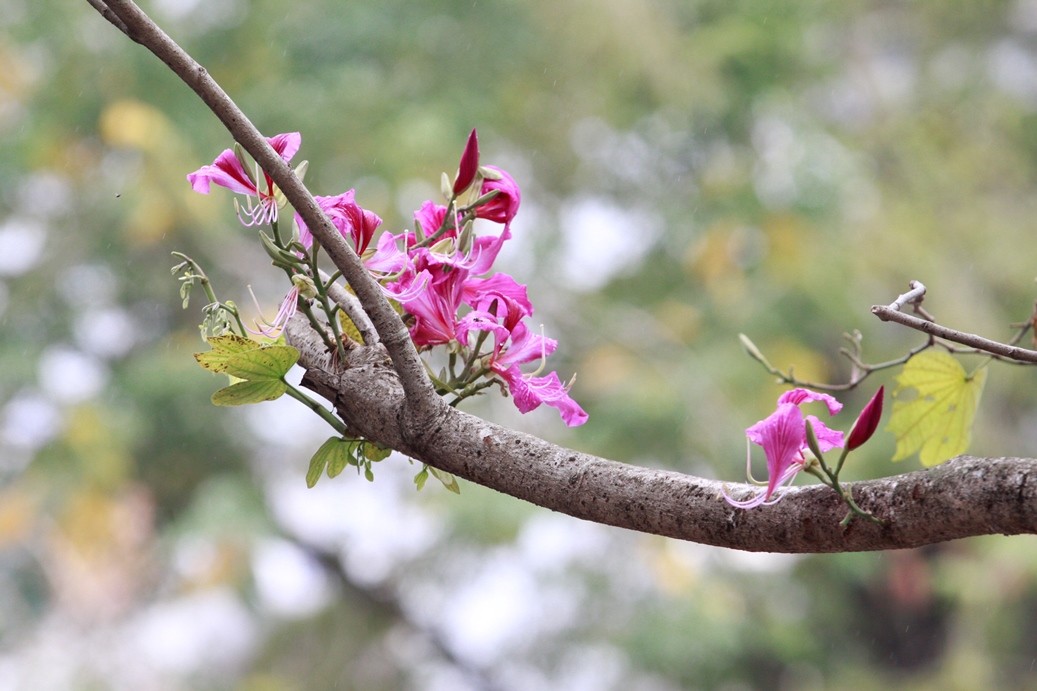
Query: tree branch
892, 313
423, 405
961, 498
383, 392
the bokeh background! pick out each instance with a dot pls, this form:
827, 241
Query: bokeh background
691, 170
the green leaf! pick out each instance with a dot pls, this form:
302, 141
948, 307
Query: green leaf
267, 363
247, 392
334, 454
936, 421
343, 454
420, 478
448, 480
318, 462
223, 348
375, 452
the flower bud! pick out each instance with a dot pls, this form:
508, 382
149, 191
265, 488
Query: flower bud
469, 164
867, 422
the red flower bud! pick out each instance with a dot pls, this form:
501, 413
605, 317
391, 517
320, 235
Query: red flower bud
469, 164
867, 422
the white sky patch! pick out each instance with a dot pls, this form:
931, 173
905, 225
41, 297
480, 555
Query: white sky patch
288, 581
602, 239
371, 522
495, 609
21, 245
86, 285
551, 542
29, 421
106, 333
1013, 69
208, 630
284, 421
45, 194
70, 376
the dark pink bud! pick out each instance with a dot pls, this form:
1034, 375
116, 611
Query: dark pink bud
867, 422
469, 164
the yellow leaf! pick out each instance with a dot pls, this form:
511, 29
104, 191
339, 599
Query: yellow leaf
937, 420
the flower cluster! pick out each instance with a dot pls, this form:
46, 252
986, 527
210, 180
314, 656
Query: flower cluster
440, 273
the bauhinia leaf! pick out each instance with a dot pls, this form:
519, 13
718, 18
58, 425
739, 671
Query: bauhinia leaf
246, 392
334, 454
265, 363
223, 348
448, 480
936, 421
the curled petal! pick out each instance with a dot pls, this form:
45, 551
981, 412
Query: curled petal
226, 171
801, 396
531, 392
827, 439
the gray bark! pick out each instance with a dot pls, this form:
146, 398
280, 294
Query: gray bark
964, 497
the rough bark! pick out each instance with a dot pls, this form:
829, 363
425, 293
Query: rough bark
964, 497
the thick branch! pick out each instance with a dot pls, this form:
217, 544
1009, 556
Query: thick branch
422, 402
961, 498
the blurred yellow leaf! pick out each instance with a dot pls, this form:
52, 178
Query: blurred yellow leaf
937, 420
131, 123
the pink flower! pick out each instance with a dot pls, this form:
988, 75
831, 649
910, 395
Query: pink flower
518, 347
434, 307
481, 293
503, 207
388, 258
228, 171
783, 438
351, 220
430, 218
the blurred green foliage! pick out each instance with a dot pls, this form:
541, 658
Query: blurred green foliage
691, 169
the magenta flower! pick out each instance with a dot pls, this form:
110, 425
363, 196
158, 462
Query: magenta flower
430, 218
503, 207
228, 171
347, 216
481, 294
784, 440
388, 258
518, 347
434, 306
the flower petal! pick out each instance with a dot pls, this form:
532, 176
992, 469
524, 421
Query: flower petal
801, 396
782, 436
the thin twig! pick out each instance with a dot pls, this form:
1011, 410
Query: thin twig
892, 313
111, 17
911, 297
353, 309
